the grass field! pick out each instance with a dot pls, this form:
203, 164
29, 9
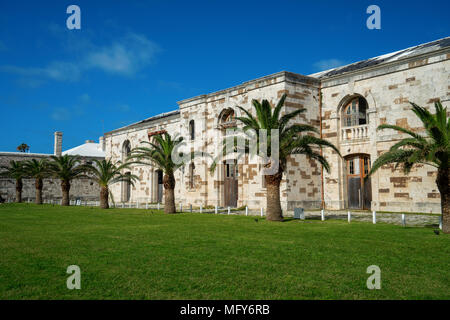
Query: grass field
140, 254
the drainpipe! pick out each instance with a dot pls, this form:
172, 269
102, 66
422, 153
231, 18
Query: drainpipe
322, 205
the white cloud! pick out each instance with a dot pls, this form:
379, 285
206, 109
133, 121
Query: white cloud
328, 64
126, 57
60, 114
123, 108
61, 71
85, 98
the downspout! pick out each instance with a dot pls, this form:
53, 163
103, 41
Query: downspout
322, 205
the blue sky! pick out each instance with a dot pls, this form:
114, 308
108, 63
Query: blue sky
134, 59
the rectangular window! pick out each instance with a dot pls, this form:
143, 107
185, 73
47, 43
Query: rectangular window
366, 166
351, 168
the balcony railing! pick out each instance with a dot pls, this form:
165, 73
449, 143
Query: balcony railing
355, 133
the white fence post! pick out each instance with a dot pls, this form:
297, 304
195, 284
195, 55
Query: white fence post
137, 205
262, 211
201, 208
146, 205
228, 210
440, 221
349, 218
158, 205
246, 210
123, 205
181, 207
322, 214
215, 209
403, 220
374, 217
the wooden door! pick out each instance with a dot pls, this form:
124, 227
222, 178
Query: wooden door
230, 184
359, 190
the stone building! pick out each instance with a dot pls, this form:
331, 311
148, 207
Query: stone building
83, 189
346, 104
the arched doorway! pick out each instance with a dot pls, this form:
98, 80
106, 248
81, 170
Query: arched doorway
359, 189
227, 123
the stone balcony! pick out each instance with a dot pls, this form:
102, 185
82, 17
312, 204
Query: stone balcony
350, 134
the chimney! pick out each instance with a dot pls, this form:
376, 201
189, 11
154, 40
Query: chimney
101, 141
89, 141
58, 143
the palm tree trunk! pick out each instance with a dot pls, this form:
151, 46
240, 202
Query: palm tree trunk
443, 183
274, 212
104, 197
169, 193
19, 186
38, 184
65, 187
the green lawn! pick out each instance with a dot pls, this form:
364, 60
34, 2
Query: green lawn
143, 254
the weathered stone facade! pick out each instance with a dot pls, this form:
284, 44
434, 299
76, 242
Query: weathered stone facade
383, 87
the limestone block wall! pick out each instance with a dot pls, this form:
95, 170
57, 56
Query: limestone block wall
85, 189
388, 91
144, 189
303, 175
301, 183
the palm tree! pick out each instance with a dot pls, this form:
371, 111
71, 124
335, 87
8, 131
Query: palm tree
290, 142
159, 154
23, 147
37, 170
106, 173
66, 168
432, 148
15, 171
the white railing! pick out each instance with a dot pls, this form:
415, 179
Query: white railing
355, 133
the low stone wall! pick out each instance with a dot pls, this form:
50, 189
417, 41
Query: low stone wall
84, 189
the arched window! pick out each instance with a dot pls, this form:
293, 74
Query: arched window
355, 112
191, 175
227, 118
126, 150
192, 129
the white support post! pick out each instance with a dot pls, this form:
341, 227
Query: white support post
215, 209
403, 220
123, 205
146, 205
262, 211
201, 208
158, 205
374, 217
349, 218
137, 205
246, 210
440, 222
181, 207
228, 210
322, 215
